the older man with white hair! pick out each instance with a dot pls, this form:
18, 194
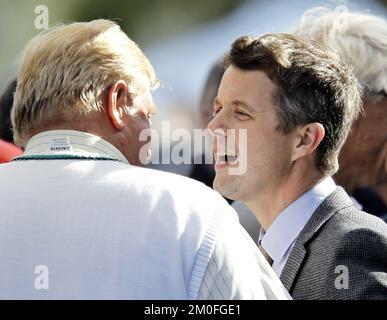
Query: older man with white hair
362, 40
78, 218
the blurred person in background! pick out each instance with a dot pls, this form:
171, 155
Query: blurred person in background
6, 102
7, 149
92, 223
201, 171
362, 40
296, 101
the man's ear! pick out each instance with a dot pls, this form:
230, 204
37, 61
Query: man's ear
307, 139
117, 101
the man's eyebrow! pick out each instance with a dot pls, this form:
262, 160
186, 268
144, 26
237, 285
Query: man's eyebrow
235, 103
216, 101
240, 103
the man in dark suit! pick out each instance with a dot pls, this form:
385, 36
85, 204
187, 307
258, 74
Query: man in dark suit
294, 102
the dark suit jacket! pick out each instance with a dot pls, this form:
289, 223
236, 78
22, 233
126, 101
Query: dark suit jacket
338, 238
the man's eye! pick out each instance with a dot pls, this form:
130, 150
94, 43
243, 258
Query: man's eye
215, 112
241, 113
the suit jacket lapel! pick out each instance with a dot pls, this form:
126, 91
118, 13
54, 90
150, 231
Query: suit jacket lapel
334, 202
292, 266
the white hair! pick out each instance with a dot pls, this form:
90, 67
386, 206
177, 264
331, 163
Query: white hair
65, 70
360, 37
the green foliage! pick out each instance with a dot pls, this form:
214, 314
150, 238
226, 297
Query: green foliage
148, 20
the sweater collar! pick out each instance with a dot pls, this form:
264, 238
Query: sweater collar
72, 143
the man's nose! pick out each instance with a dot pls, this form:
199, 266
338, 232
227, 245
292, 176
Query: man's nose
217, 124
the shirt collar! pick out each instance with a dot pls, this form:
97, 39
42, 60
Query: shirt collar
71, 142
289, 223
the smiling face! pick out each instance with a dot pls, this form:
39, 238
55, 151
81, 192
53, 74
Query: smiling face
244, 101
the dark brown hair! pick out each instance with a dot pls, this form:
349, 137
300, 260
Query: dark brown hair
313, 85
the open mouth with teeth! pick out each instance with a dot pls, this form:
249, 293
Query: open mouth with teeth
224, 159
